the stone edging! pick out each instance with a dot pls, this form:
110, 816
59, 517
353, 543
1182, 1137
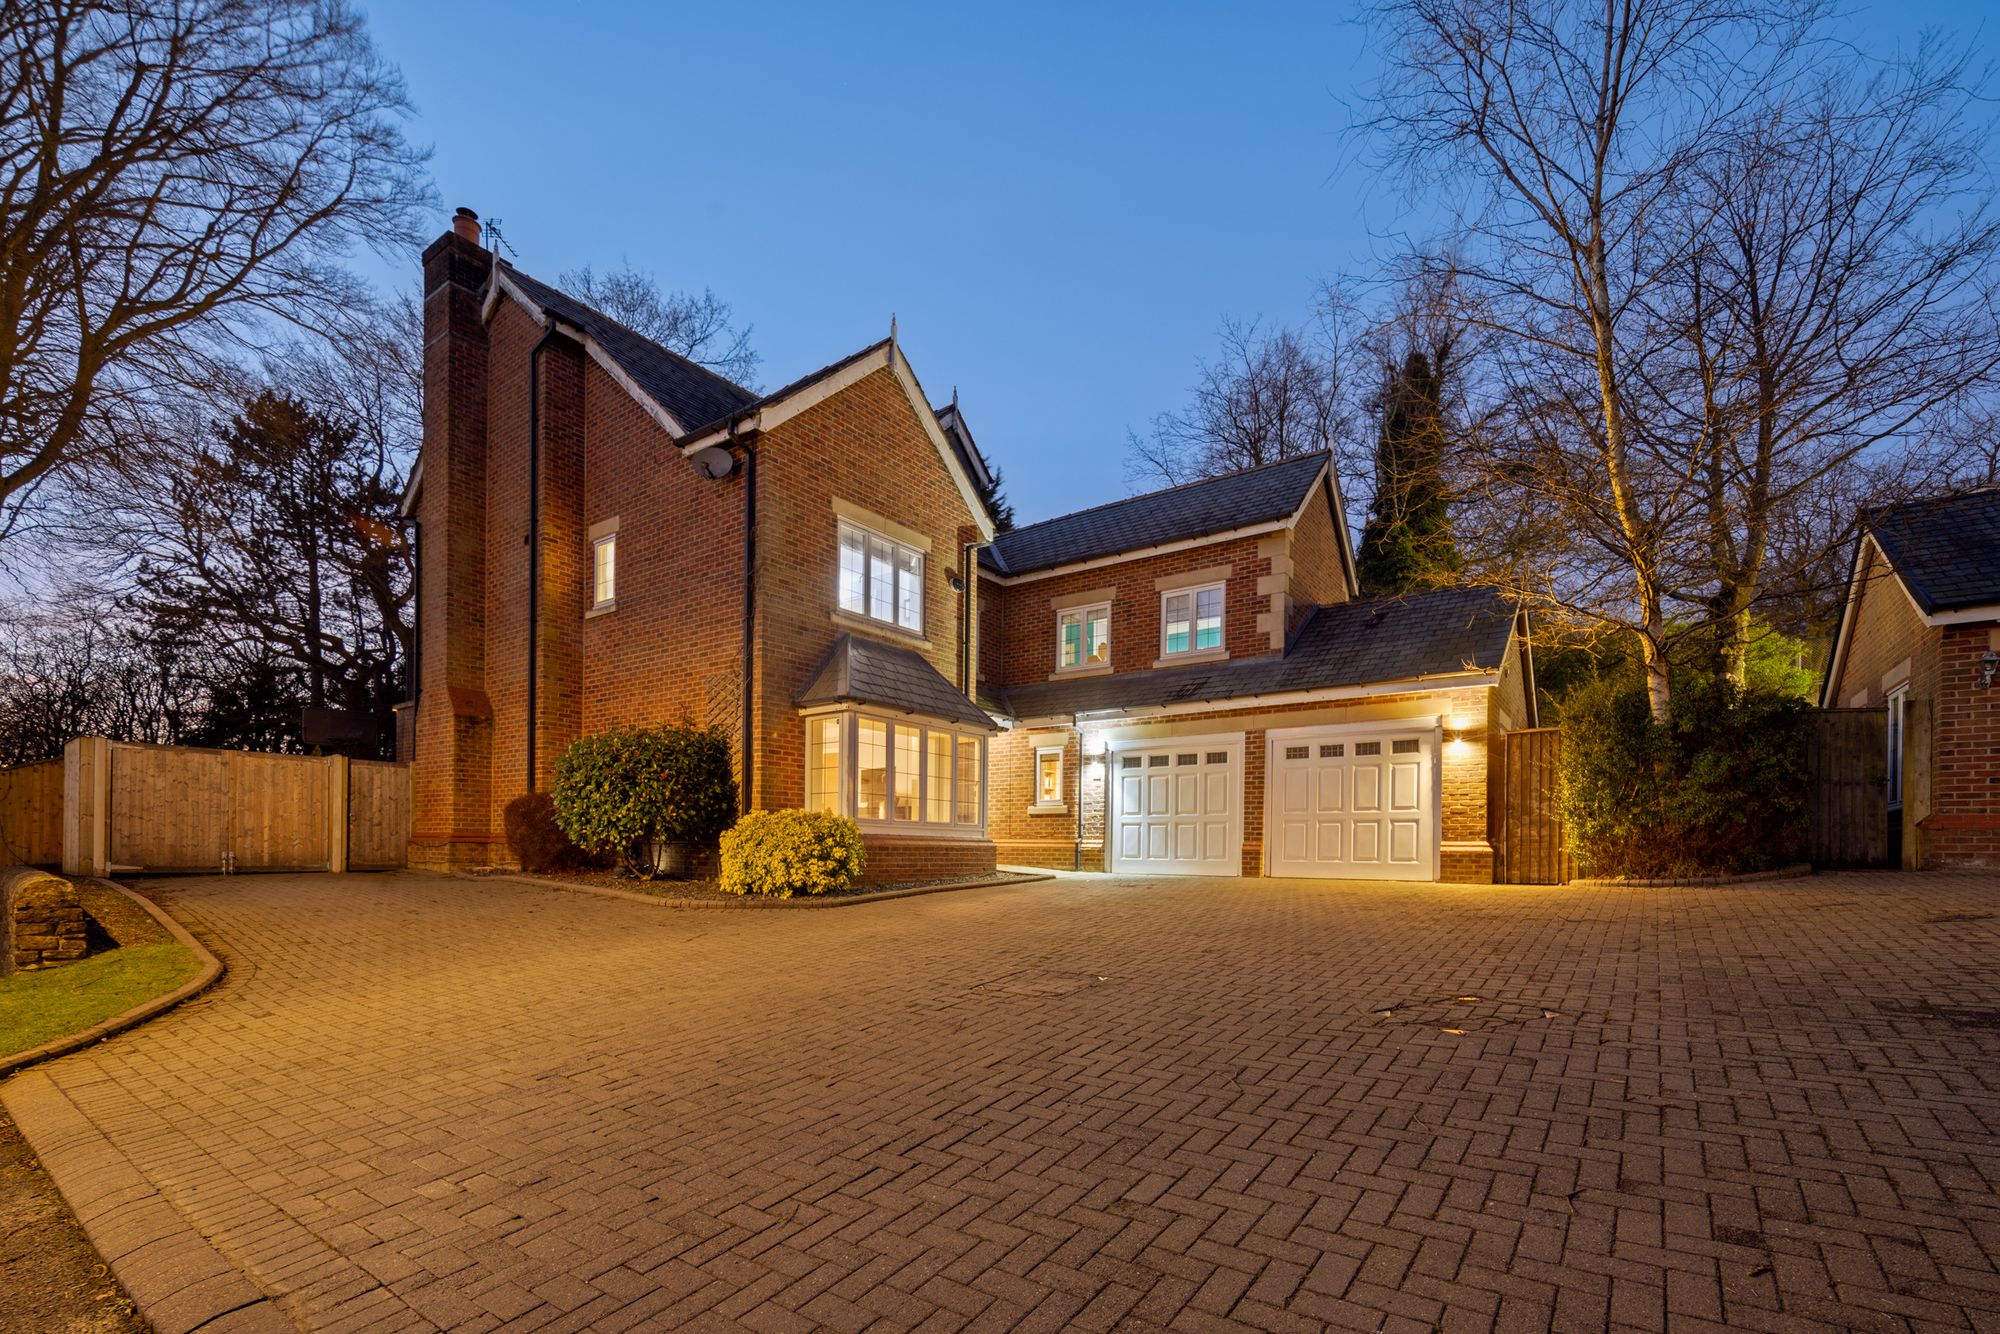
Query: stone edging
211, 971
1797, 872
741, 903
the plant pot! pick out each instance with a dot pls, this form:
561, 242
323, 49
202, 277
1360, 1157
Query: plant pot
666, 859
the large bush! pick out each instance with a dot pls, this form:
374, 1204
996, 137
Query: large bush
625, 791
1720, 790
782, 853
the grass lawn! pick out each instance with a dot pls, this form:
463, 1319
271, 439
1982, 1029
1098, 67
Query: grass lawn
140, 961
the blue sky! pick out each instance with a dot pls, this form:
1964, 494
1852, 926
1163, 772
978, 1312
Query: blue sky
1059, 203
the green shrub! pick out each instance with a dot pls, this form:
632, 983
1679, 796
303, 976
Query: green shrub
1720, 790
536, 840
619, 792
782, 853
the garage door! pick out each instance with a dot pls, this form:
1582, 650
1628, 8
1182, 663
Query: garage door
1357, 805
1178, 808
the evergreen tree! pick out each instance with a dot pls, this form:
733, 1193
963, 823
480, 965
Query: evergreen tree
997, 504
1407, 543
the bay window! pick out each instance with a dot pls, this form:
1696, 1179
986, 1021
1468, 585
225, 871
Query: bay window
1191, 620
881, 579
900, 774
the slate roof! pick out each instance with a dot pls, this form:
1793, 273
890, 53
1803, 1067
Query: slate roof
1946, 550
1403, 638
1255, 495
866, 671
786, 391
691, 392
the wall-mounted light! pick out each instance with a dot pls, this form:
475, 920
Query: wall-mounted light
1989, 668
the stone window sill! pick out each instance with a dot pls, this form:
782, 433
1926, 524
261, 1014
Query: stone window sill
1059, 808
1188, 659
602, 609
1092, 669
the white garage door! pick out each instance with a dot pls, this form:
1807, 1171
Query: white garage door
1178, 808
1354, 804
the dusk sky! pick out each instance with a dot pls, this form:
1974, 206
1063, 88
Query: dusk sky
1060, 204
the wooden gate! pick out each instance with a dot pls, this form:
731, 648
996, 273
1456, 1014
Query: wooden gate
1847, 788
31, 810
1528, 830
378, 815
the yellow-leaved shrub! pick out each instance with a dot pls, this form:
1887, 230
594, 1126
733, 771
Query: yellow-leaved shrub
782, 853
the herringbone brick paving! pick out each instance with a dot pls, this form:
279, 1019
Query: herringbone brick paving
1087, 1104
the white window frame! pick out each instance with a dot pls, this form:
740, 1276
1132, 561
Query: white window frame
1083, 615
1036, 806
600, 600
1192, 593
1898, 719
896, 551
847, 803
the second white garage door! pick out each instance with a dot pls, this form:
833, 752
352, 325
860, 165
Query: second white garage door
1356, 804
1177, 807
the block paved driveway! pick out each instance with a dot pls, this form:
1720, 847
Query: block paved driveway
1097, 1104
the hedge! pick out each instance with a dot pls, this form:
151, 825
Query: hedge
782, 853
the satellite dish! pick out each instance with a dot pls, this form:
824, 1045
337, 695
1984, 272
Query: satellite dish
715, 462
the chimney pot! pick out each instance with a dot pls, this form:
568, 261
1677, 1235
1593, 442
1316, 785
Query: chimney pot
466, 223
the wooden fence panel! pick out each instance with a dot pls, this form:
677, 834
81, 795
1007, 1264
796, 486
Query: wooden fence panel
169, 808
1847, 791
378, 815
31, 809
278, 817
1532, 851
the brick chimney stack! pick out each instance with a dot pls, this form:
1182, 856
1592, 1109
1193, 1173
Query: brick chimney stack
466, 224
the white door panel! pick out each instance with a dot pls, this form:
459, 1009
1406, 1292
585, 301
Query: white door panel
1363, 806
1180, 808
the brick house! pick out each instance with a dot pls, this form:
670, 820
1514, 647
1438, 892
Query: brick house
1919, 636
813, 570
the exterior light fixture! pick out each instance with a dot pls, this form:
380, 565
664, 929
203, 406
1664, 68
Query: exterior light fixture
1989, 667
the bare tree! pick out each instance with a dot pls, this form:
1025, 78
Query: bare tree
1270, 396
174, 174
1733, 277
698, 327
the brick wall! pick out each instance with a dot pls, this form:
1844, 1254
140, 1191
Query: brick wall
1963, 829
1886, 632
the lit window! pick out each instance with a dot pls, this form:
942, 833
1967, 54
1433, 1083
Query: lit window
881, 579
823, 764
871, 765
909, 770
1083, 637
1048, 776
899, 772
604, 571
968, 780
1191, 620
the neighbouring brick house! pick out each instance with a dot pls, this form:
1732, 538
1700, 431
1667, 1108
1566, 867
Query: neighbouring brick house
1920, 637
813, 570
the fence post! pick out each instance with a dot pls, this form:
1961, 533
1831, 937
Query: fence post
86, 822
336, 812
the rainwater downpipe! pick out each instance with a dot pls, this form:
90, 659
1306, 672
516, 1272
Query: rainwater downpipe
743, 795
535, 529
1076, 859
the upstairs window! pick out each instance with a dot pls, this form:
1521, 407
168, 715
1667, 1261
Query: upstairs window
1191, 620
604, 572
881, 579
1083, 637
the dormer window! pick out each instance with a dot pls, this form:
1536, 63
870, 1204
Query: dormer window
881, 578
1191, 620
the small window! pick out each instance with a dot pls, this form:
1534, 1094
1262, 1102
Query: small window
1191, 620
1298, 752
968, 780
1218, 757
823, 765
881, 579
1367, 748
1332, 750
937, 777
603, 571
1156, 761
1083, 637
871, 770
1405, 746
1189, 758
909, 759
1128, 762
1049, 776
